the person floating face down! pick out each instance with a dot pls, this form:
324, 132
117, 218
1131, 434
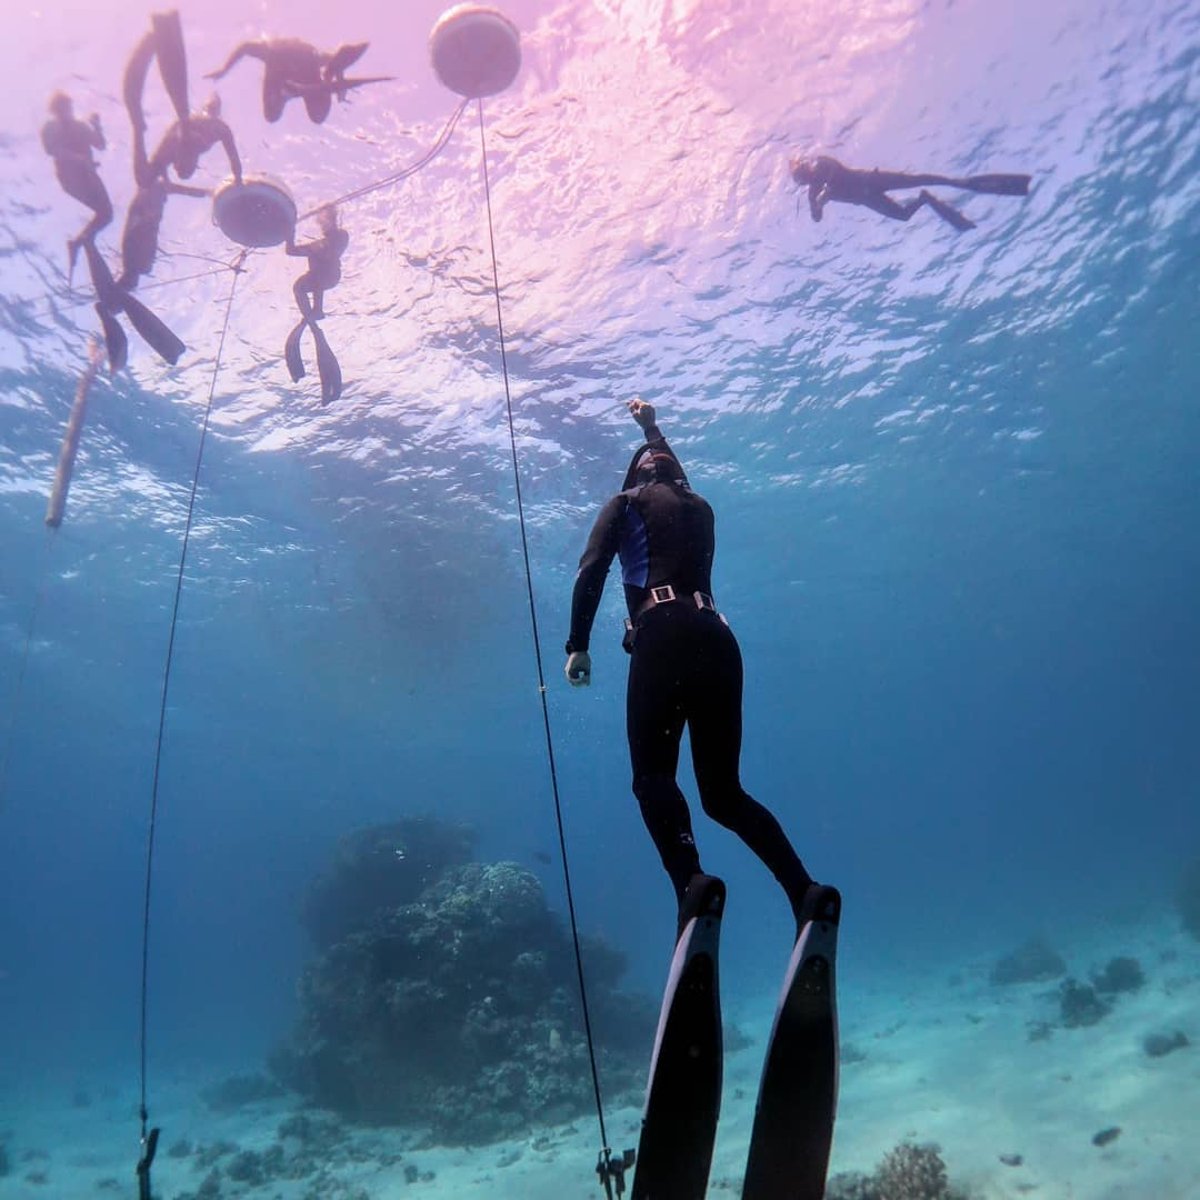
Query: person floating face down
685, 669
293, 68
70, 142
324, 255
827, 179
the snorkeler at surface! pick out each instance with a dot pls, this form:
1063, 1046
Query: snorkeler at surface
295, 68
112, 299
70, 142
324, 256
827, 179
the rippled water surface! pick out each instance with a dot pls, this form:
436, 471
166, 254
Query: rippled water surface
954, 477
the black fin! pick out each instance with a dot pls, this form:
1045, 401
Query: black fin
165, 343
106, 291
328, 368
115, 341
291, 353
998, 185
172, 59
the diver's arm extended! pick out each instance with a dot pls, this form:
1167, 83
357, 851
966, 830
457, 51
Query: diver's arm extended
183, 189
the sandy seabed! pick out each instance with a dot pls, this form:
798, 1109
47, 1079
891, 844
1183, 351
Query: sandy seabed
986, 1072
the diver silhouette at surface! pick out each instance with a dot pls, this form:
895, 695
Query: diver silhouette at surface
70, 142
324, 256
294, 68
828, 180
112, 299
190, 136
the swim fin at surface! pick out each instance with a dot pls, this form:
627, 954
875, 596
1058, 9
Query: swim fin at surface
291, 353
164, 343
328, 367
115, 341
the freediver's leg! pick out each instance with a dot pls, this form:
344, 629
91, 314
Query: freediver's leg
274, 98
301, 289
654, 719
886, 181
947, 212
318, 102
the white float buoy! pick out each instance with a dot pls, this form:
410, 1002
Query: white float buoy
476, 51
256, 212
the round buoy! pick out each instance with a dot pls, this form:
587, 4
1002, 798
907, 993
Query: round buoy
476, 51
256, 212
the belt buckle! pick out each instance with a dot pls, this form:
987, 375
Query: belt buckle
662, 594
704, 602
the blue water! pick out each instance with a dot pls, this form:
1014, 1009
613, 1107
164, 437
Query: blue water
954, 477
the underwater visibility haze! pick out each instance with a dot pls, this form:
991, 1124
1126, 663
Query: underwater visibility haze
955, 485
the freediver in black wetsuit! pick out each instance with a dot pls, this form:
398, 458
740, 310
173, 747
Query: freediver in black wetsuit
324, 256
827, 179
685, 668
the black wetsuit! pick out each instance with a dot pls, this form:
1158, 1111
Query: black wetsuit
685, 669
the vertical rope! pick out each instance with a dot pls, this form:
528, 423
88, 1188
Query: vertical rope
537, 647
162, 712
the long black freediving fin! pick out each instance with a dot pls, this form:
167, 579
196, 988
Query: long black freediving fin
172, 59
328, 367
164, 343
291, 353
797, 1098
683, 1097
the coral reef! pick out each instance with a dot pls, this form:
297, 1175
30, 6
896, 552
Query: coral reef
907, 1172
381, 867
1080, 1005
1156, 1045
1034, 962
457, 1011
1119, 975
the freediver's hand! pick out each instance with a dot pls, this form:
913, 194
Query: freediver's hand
642, 412
579, 668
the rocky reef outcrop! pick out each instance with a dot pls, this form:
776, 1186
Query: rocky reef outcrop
454, 1007
906, 1172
